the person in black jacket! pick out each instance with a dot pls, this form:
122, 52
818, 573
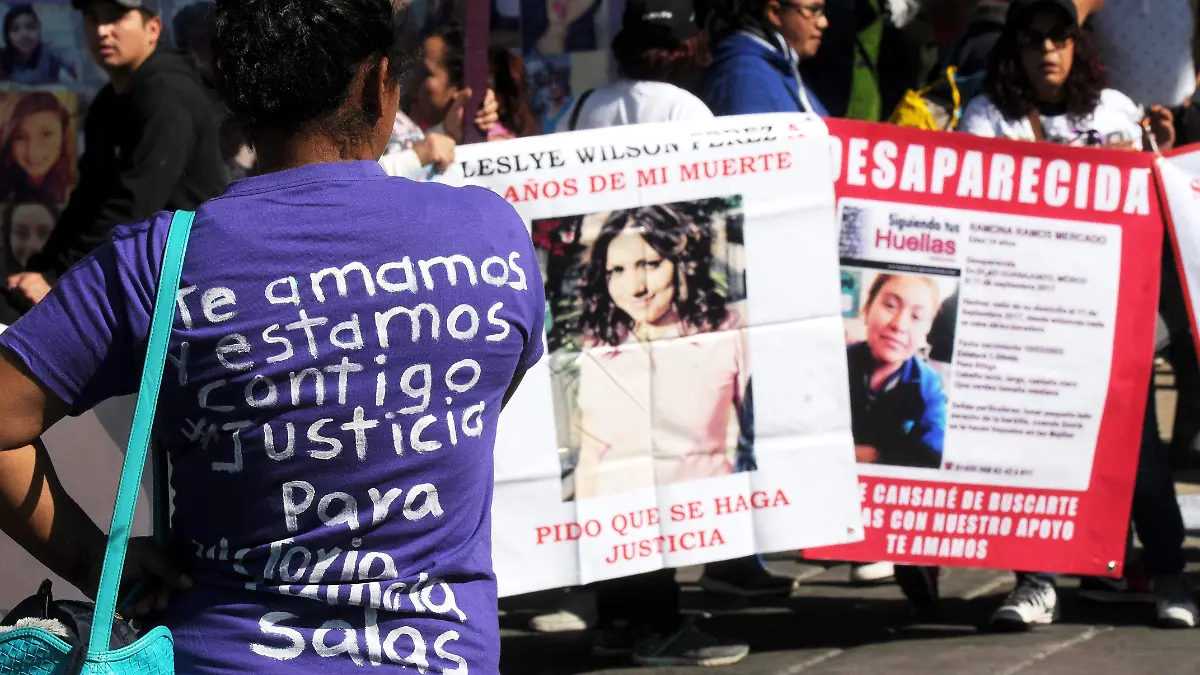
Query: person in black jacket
150, 141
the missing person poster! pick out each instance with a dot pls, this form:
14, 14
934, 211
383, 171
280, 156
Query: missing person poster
998, 301
692, 405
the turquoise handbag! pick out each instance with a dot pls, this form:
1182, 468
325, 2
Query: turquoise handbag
34, 651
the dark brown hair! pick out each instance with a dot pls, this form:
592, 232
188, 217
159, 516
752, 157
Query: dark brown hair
511, 85
1012, 93
687, 244
8, 56
640, 55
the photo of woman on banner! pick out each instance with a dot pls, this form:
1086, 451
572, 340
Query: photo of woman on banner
663, 378
27, 58
37, 161
897, 402
26, 228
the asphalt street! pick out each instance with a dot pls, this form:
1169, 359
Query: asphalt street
830, 627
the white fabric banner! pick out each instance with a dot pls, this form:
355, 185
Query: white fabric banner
1180, 176
692, 406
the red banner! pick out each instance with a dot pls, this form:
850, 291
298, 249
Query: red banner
999, 301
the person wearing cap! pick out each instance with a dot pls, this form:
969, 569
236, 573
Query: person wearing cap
758, 47
150, 138
1045, 82
659, 54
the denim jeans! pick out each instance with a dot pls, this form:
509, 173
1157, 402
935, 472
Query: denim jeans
1155, 514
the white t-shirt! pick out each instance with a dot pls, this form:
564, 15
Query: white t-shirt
636, 102
1115, 120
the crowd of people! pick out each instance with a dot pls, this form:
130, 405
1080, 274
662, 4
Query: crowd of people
280, 121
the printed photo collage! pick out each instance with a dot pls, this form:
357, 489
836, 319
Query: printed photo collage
46, 76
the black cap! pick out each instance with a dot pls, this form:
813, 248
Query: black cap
152, 6
1020, 11
677, 17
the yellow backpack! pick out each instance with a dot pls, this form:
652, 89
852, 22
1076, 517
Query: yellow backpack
919, 110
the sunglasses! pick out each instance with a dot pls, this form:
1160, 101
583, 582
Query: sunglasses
813, 11
1059, 36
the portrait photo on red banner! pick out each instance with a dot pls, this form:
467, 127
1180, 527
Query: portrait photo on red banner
648, 344
900, 330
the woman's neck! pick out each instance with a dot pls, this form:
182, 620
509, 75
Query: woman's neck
882, 374
663, 327
276, 152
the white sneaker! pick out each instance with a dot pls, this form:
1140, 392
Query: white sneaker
1030, 604
871, 573
1174, 603
576, 612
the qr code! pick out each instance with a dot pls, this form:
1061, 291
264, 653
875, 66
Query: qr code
851, 242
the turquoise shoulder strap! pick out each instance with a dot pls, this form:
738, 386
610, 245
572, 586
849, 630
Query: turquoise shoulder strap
139, 437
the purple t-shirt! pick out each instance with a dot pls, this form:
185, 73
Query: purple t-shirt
342, 345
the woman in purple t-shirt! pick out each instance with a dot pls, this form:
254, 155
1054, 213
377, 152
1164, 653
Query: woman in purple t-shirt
343, 346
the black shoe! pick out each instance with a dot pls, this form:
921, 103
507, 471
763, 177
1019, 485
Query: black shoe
920, 585
616, 641
747, 578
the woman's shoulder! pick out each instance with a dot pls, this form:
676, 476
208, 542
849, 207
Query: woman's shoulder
981, 105
1114, 97
981, 117
685, 106
473, 211
1114, 102
132, 256
472, 198
155, 227
449, 196
929, 380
